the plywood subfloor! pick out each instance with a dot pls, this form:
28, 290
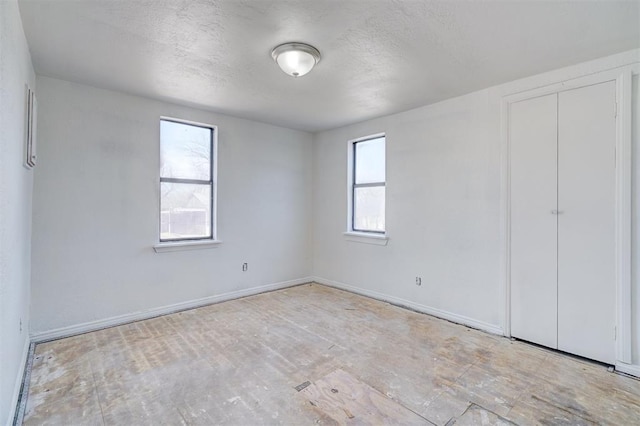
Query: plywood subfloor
240, 362
348, 400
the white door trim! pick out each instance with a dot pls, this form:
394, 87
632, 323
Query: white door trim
623, 78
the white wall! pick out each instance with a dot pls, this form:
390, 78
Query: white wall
444, 208
443, 199
96, 198
16, 184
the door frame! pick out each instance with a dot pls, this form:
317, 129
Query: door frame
623, 181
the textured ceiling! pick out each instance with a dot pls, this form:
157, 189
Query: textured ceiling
378, 57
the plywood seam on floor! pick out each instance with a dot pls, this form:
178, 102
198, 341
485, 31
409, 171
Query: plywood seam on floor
474, 406
95, 383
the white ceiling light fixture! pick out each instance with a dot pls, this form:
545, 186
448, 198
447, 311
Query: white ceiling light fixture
296, 59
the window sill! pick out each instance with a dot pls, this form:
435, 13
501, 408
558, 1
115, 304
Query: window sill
366, 238
186, 245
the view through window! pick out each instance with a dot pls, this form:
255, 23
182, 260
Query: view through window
368, 185
186, 181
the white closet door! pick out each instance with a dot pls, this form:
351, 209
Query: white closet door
533, 157
586, 238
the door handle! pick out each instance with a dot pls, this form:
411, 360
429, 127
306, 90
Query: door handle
557, 212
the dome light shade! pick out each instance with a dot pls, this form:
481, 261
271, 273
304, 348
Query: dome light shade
296, 59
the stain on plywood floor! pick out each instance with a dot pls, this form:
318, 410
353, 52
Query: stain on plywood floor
239, 363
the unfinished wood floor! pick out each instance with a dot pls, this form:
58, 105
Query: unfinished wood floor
354, 360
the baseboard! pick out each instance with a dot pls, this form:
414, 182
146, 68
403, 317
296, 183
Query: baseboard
73, 330
630, 369
18, 383
449, 316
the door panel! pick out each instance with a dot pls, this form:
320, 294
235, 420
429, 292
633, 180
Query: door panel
533, 177
586, 227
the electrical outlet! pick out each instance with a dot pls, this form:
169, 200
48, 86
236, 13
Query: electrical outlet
245, 267
418, 281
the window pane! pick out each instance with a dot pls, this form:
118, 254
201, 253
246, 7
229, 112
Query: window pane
185, 211
185, 151
368, 209
370, 161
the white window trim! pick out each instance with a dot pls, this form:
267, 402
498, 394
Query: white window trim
204, 243
366, 238
185, 245
376, 238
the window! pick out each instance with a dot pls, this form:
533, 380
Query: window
187, 187
367, 182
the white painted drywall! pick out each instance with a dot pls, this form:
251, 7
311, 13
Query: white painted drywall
16, 183
96, 197
444, 207
442, 215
